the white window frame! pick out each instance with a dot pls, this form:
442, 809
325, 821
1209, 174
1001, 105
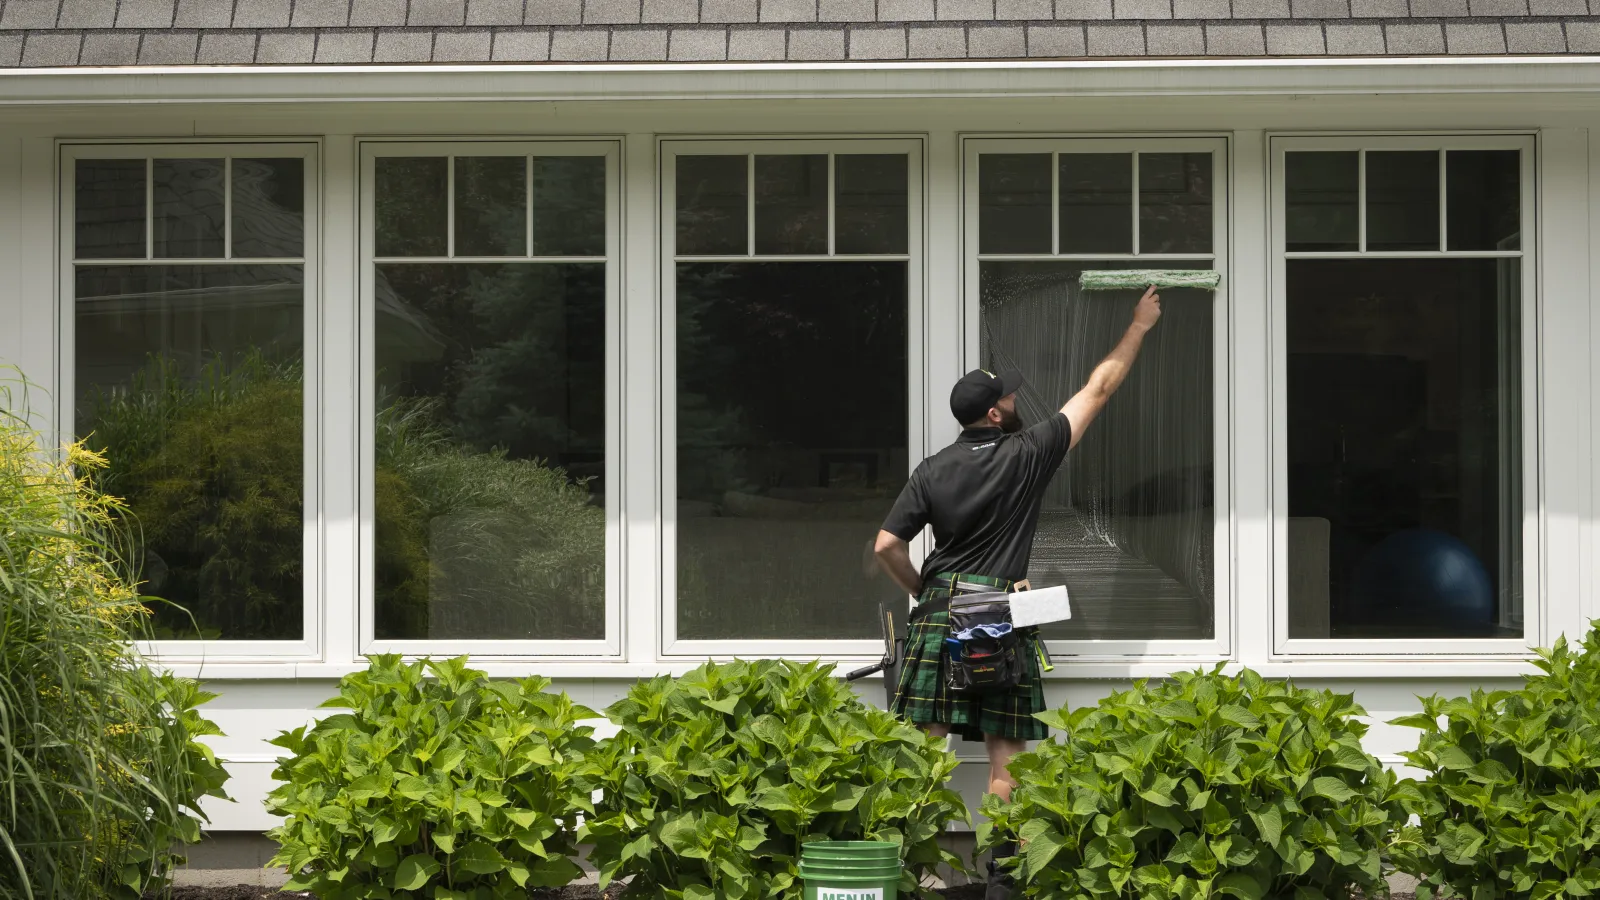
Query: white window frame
1532, 560
1220, 645
309, 645
610, 646
669, 149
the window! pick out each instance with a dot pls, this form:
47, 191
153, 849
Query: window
791, 276
190, 344
490, 292
1131, 524
1404, 310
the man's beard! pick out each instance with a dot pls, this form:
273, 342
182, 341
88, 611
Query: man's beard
1010, 422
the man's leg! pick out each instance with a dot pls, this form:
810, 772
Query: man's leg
1001, 749
937, 729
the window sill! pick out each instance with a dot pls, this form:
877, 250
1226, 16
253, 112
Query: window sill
1066, 670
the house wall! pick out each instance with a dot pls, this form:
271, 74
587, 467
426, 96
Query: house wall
261, 696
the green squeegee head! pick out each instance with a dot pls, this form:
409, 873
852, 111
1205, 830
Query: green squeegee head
1139, 279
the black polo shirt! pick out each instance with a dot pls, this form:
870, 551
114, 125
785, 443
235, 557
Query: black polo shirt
982, 496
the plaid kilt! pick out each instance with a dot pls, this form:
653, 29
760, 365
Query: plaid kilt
922, 697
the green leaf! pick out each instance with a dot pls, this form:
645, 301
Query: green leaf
1333, 789
414, 872
1269, 821
1238, 884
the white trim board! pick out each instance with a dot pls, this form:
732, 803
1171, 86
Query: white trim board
1263, 77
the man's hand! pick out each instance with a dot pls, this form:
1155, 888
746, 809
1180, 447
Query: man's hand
894, 557
1148, 310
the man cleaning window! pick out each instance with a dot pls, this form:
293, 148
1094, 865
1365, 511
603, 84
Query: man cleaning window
982, 496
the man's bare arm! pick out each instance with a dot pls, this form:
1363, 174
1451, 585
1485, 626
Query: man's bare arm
1082, 409
894, 557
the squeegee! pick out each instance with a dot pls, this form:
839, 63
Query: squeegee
1139, 279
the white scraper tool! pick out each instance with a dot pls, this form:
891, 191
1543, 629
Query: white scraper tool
1039, 607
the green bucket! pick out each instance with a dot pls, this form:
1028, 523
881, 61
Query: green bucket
850, 870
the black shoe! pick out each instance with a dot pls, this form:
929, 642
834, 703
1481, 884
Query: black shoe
1001, 886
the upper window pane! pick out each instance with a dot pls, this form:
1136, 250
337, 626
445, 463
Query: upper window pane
1404, 437
188, 377
1484, 199
870, 205
1014, 203
1402, 200
412, 205
1096, 202
188, 211
1175, 203
786, 471
109, 209
269, 208
713, 206
569, 206
1128, 520
491, 200
792, 204
1322, 201
490, 451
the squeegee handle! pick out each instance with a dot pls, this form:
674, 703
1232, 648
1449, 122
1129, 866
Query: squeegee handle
861, 673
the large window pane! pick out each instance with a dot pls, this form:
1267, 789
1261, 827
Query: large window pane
189, 378
1175, 203
491, 206
1483, 207
1127, 523
792, 398
713, 206
792, 204
1014, 203
188, 210
870, 203
1096, 202
109, 208
1403, 200
1322, 201
413, 202
490, 449
269, 208
1403, 445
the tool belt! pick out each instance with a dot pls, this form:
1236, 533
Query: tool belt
984, 652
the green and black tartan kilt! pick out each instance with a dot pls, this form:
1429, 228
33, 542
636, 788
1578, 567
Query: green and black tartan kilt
923, 698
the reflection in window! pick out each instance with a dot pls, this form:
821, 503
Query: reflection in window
489, 492
792, 437
1322, 199
1404, 462
1127, 523
189, 379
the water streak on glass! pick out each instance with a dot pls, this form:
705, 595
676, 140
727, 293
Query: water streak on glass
1127, 523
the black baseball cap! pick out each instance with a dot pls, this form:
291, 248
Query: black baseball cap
978, 391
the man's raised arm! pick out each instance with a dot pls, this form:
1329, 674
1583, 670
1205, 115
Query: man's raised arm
1109, 374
